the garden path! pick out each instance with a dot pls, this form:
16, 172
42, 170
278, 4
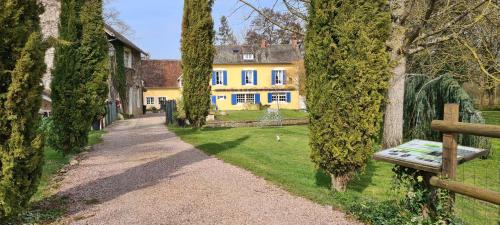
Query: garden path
144, 174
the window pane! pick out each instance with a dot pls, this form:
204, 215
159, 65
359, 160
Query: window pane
279, 77
219, 77
248, 77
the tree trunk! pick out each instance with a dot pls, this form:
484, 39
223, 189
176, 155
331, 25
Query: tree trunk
393, 117
339, 183
491, 97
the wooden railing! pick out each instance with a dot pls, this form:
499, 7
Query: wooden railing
450, 128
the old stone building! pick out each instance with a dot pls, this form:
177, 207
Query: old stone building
132, 103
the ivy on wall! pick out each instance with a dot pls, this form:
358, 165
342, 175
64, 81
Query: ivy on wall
118, 76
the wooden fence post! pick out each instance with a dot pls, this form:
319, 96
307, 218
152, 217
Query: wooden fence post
450, 143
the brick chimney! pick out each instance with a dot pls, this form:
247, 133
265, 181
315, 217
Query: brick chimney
263, 43
294, 42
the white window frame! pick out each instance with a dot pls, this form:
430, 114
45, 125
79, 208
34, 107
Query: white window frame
248, 56
279, 97
162, 98
219, 77
221, 97
150, 100
249, 79
245, 98
127, 57
280, 77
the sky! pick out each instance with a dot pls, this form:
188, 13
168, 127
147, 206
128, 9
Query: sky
157, 23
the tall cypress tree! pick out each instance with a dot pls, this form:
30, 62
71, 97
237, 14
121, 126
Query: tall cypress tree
197, 58
93, 54
68, 130
79, 86
21, 69
347, 75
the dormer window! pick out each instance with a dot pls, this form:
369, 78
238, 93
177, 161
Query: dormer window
248, 56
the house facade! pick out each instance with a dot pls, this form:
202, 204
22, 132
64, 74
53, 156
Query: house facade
244, 77
132, 103
161, 81
248, 77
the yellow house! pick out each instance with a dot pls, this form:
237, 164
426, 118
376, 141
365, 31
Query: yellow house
161, 81
247, 77
244, 78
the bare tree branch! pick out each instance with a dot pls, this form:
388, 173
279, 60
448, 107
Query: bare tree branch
270, 19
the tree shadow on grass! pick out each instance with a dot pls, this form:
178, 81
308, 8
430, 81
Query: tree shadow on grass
363, 179
216, 148
323, 179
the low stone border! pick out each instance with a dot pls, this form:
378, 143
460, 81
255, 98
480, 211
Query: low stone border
255, 123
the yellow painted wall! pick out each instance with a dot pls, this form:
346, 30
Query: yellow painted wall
170, 94
264, 81
234, 86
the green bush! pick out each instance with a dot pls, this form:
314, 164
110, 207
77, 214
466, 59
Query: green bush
21, 155
347, 69
22, 66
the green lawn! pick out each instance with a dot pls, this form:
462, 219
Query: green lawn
258, 114
287, 164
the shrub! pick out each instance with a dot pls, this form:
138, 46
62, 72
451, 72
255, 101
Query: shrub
347, 77
21, 69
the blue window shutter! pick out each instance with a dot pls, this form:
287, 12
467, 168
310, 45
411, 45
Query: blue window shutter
270, 97
289, 97
273, 77
255, 77
284, 76
257, 98
225, 78
213, 78
233, 99
214, 99
243, 77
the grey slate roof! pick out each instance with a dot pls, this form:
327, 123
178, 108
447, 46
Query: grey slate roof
273, 54
113, 33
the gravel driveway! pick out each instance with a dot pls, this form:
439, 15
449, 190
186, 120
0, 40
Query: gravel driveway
144, 174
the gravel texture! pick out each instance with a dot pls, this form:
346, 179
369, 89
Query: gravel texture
144, 174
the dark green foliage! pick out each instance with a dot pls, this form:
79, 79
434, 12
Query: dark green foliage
197, 58
347, 77
66, 80
118, 73
18, 19
424, 101
94, 60
21, 69
79, 85
22, 154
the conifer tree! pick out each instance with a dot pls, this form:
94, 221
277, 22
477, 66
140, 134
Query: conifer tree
94, 62
21, 69
225, 36
66, 84
197, 58
79, 86
347, 75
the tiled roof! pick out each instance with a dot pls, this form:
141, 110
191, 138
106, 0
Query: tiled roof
161, 73
112, 32
273, 54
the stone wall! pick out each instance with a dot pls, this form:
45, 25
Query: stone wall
255, 123
49, 21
